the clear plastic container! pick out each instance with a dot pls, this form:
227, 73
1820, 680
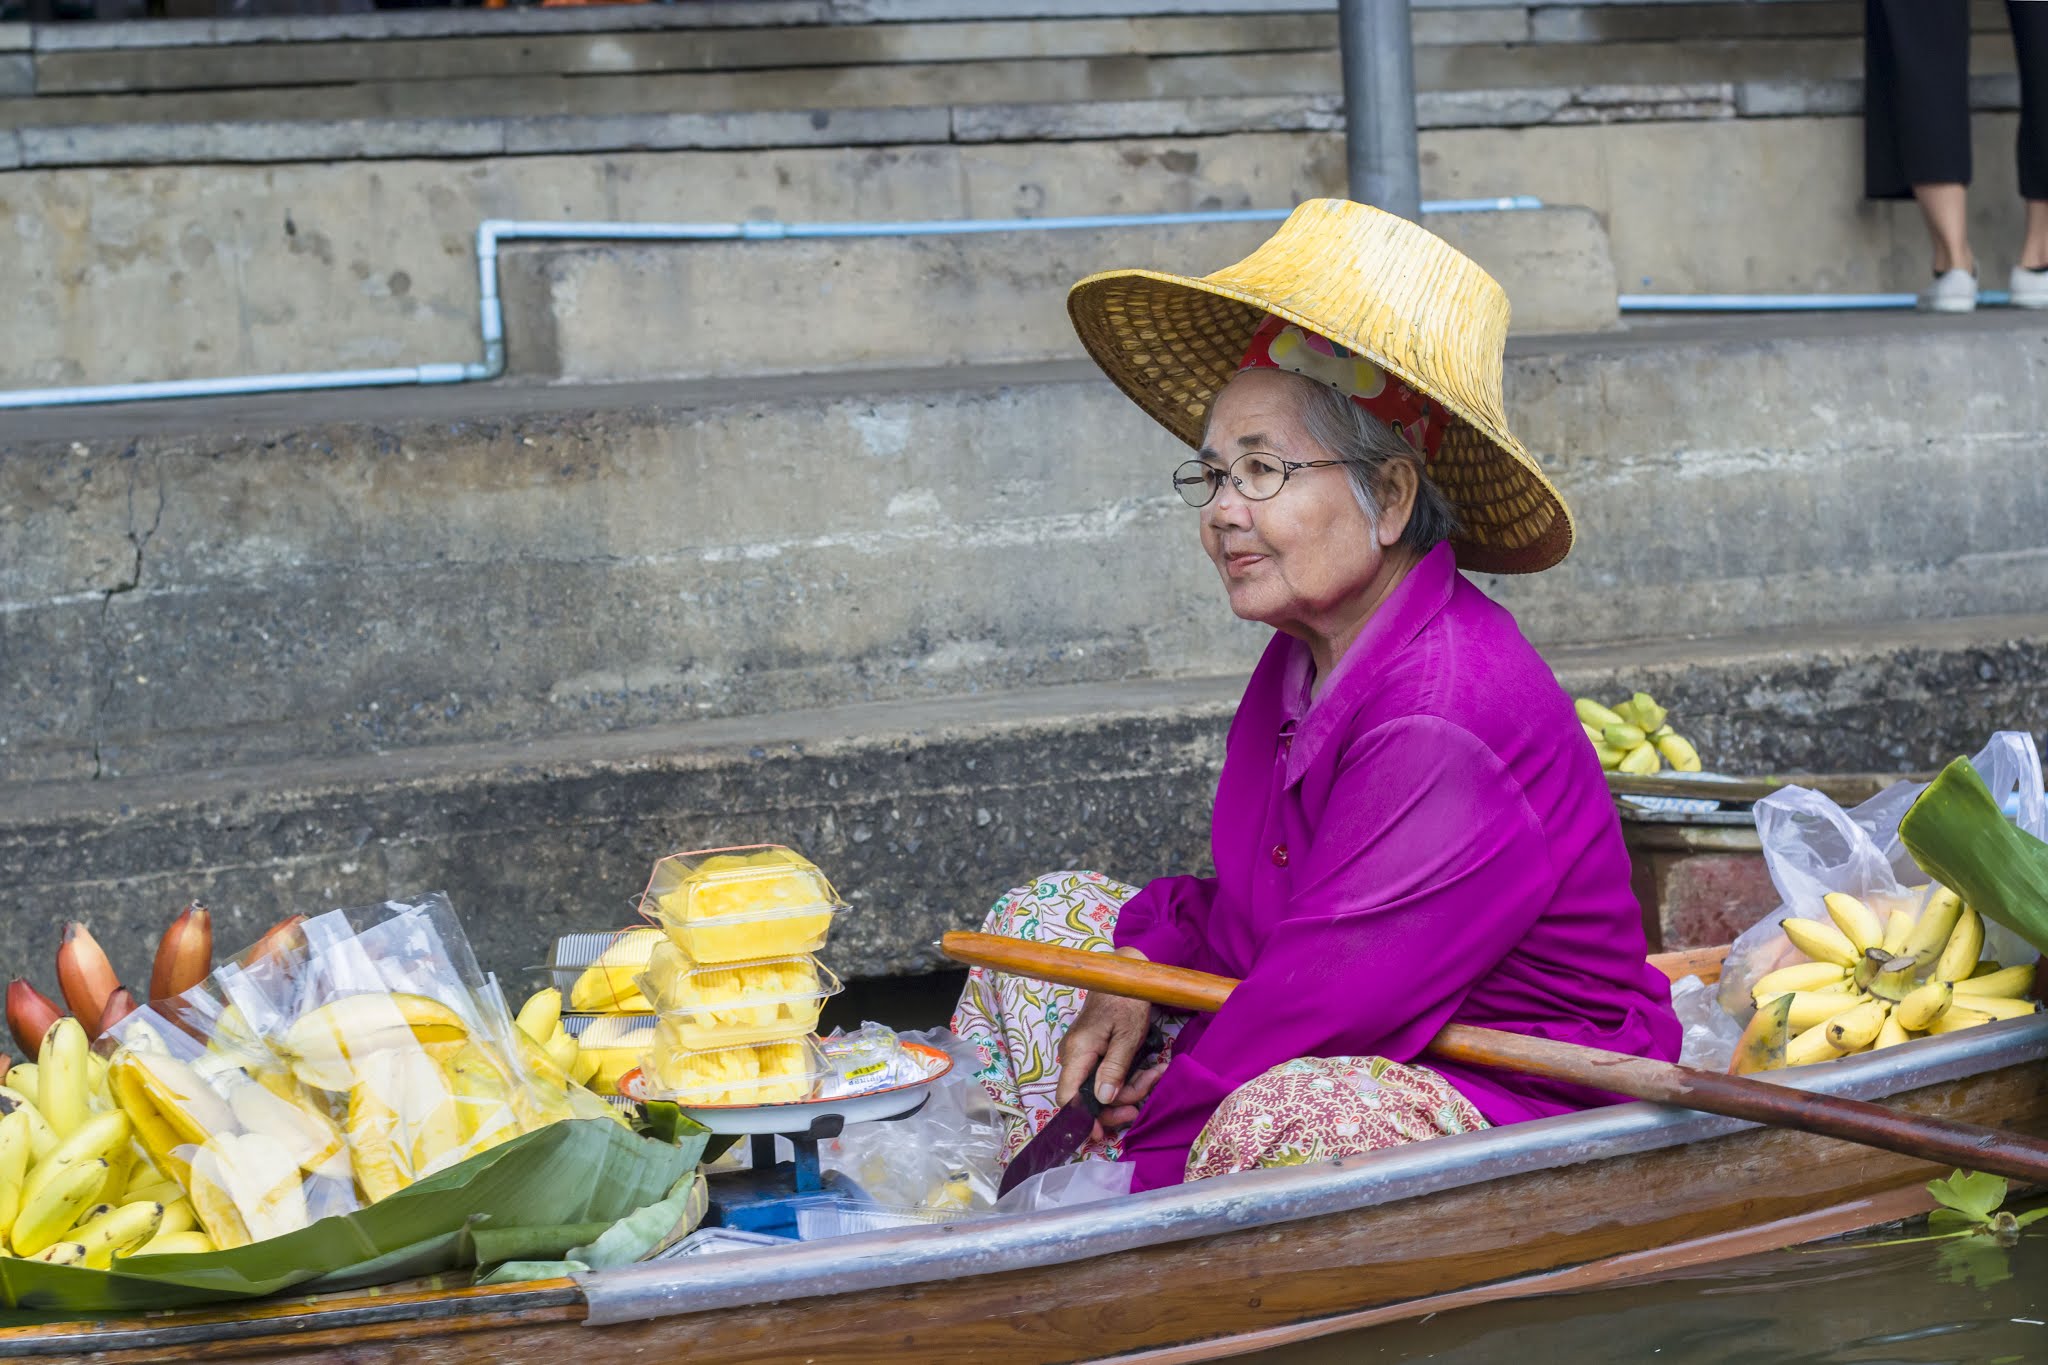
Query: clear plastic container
595, 971
618, 1041
730, 1077
728, 1003
741, 904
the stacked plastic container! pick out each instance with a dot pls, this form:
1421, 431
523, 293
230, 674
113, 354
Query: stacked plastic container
736, 987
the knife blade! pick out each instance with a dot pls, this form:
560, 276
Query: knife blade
1071, 1124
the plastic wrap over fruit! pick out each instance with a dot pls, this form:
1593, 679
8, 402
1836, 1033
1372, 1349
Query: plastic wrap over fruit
741, 904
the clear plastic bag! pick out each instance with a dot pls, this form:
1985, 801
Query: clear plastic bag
1710, 1034
945, 1156
1064, 1187
1812, 847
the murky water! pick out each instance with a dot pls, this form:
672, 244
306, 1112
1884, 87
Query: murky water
1833, 1304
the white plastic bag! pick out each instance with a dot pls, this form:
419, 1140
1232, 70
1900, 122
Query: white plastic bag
1812, 847
1710, 1034
948, 1155
1064, 1187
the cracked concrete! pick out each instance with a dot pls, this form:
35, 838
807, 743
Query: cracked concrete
140, 540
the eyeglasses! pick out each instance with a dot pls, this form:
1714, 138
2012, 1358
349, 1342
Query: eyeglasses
1256, 476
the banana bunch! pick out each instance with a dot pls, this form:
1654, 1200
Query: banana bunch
73, 1190
540, 1020
1632, 737
1873, 983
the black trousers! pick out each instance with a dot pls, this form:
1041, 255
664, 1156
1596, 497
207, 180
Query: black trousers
1916, 95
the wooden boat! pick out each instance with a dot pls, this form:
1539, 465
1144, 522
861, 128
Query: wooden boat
1200, 1272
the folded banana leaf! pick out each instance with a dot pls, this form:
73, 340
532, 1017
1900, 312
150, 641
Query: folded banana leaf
552, 1185
1959, 836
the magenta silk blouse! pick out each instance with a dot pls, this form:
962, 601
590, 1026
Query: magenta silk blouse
1429, 840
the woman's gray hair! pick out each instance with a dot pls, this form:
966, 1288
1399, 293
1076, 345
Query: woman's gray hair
1367, 446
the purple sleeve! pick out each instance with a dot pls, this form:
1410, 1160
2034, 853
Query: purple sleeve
1427, 869
1167, 922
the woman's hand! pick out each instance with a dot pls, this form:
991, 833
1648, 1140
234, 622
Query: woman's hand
1122, 1111
1106, 1036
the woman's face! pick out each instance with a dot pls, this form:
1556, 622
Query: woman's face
1297, 560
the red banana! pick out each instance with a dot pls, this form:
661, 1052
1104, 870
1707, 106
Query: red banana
29, 1016
119, 1006
273, 939
184, 955
85, 976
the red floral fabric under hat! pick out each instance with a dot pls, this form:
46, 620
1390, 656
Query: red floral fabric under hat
1283, 345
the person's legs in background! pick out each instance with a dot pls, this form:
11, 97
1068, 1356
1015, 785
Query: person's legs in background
1916, 129
2030, 41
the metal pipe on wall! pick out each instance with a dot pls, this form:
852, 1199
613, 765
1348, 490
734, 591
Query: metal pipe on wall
1381, 155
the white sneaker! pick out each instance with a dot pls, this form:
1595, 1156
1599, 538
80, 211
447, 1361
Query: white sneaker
2029, 288
1953, 291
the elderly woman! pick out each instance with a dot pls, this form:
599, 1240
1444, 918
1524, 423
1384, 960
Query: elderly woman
1410, 828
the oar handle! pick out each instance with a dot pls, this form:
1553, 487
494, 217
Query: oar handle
1922, 1135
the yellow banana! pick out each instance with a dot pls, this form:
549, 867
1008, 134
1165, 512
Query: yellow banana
1800, 976
1857, 1028
1857, 921
87, 1215
62, 1086
1892, 1034
1640, 761
1811, 1046
1609, 756
561, 1049
1997, 1006
1591, 712
96, 1140
1594, 734
1679, 753
178, 1216
1625, 737
586, 1066
2007, 981
119, 1232
179, 1095
1821, 942
1921, 1008
1643, 707
1898, 927
61, 1253
1936, 923
45, 1218
187, 1243
1954, 1019
24, 1078
1959, 958
157, 1191
42, 1139
606, 985
540, 1014
1817, 1007
13, 1165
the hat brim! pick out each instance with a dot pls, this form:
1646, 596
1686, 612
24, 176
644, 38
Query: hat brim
1171, 342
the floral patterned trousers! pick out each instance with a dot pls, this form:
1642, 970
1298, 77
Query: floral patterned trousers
1309, 1109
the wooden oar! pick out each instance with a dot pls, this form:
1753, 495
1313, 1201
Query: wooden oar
1921, 1135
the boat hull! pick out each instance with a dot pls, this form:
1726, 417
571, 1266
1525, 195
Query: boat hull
1204, 1271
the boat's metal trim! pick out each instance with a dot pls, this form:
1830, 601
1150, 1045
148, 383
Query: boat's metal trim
1259, 1198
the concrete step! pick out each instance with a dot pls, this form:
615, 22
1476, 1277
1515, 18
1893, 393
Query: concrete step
592, 312
922, 811
311, 578
127, 274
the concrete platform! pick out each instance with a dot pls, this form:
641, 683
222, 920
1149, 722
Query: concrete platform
299, 579
922, 811
589, 312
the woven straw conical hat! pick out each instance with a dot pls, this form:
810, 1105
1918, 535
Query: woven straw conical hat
1381, 287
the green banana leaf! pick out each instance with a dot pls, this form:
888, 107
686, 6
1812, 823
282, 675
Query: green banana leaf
552, 1185
1959, 836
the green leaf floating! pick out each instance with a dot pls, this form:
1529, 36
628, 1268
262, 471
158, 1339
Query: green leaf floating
1973, 1194
553, 1185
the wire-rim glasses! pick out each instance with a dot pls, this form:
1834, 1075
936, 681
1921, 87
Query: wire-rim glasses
1255, 475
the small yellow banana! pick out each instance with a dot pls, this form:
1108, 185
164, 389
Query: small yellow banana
1625, 737
1821, 942
96, 1140
1640, 761
1647, 713
1593, 733
1936, 923
1811, 1046
186, 1243
62, 1086
1959, 958
1857, 1028
1817, 1007
1892, 1034
1679, 753
118, 1232
45, 1218
1898, 927
1997, 1006
561, 1049
1954, 1019
24, 1078
1800, 976
2006, 981
1857, 921
61, 1253
540, 1014
13, 1165
1923, 1006
1609, 756
1593, 713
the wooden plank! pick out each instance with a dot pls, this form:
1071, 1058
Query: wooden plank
1392, 1257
